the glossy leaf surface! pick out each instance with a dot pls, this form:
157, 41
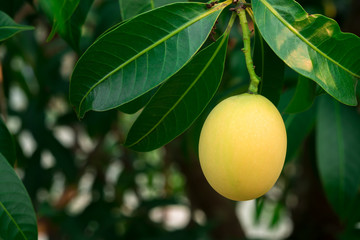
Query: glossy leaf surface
269, 67
7, 147
135, 57
17, 216
9, 28
312, 45
338, 153
304, 96
178, 103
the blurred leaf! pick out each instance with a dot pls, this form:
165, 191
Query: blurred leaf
312, 45
159, 3
153, 46
337, 143
181, 99
237, 64
107, 119
354, 217
9, 28
7, 147
298, 126
110, 16
353, 234
277, 214
132, 8
269, 67
70, 31
259, 207
60, 11
17, 216
304, 96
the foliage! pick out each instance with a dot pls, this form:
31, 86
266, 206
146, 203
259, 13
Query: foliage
82, 82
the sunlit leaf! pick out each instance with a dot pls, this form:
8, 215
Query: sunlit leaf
312, 45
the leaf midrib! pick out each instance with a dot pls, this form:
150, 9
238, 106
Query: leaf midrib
12, 219
184, 94
171, 34
291, 28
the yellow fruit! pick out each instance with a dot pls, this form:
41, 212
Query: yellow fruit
242, 147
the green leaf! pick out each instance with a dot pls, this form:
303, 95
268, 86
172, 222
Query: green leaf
277, 214
181, 99
137, 56
304, 96
312, 45
138, 103
60, 11
129, 9
338, 153
7, 147
9, 28
159, 3
70, 31
350, 234
298, 125
17, 216
269, 67
259, 208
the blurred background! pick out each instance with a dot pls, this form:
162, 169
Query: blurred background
85, 185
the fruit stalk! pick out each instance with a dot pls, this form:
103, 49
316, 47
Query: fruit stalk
254, 79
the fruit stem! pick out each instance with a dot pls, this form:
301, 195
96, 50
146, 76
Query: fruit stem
254, 79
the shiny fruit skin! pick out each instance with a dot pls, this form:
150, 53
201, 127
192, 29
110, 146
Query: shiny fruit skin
242, 147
